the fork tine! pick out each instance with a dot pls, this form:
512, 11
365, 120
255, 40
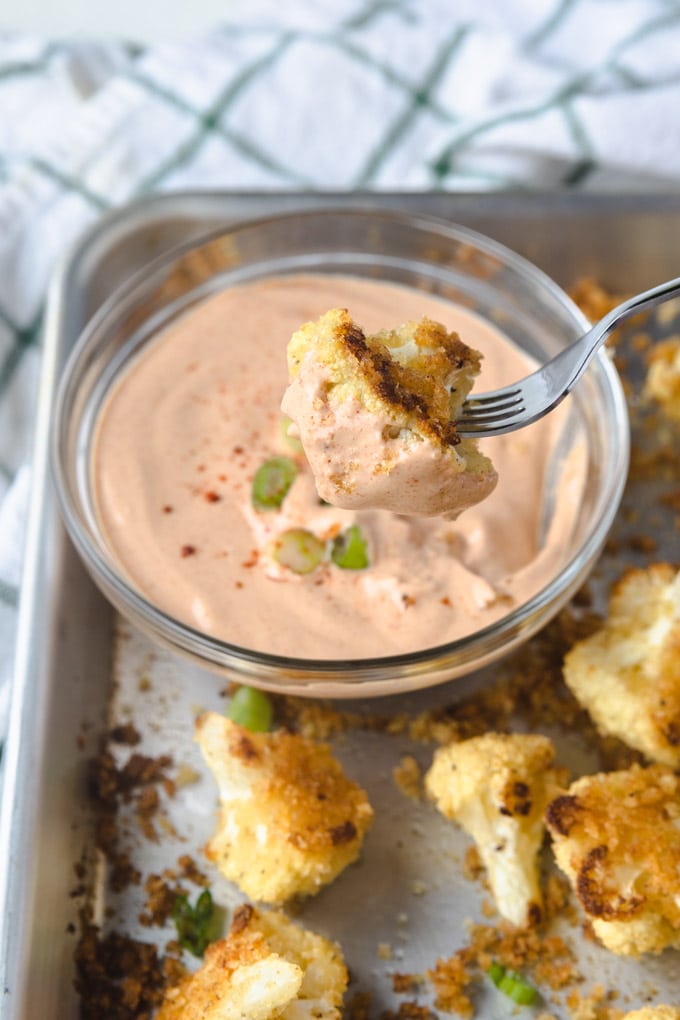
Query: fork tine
482, 420
479, 411
491, 412
472, 430
499, 397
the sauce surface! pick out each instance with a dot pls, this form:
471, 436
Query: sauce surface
186, 426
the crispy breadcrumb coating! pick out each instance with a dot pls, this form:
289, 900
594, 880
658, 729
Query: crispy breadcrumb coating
663, 376
290, 820
266, 967
654, 1013
497, 787
616, 835
627, 674
396, 394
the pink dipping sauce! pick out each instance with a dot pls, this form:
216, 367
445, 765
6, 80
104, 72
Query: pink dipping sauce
186, 426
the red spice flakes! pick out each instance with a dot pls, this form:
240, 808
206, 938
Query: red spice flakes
167, 509
252, 559
237, 451
221, 478
446, 601
408, 600
201, 468
238, 584
211, 496
188, 550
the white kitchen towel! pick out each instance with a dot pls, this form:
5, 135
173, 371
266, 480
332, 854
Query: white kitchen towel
382, 94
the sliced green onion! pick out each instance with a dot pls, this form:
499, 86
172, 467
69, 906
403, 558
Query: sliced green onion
512, 984
496, 972
349, 549
272, 481
291, 441
197, 926
251, 709
299, 550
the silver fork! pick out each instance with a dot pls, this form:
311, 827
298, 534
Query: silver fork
517, 405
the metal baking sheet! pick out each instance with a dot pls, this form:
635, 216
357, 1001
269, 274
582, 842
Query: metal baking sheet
78, 669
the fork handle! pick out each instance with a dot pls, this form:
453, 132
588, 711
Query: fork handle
639, 303
586, 347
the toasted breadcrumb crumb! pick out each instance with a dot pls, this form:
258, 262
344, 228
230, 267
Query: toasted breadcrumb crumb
409, 1011
663, 376
654, 1013
359, 1007
451, 980
118, 977
408, 777
405, 983
473, 867
161, 895
110, 785
593, 299
595, 1005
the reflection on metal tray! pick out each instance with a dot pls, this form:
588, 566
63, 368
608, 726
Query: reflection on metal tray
409, 887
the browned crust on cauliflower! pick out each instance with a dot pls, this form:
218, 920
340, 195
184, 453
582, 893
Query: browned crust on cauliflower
290, 819
265, 964
617, 837
414, 389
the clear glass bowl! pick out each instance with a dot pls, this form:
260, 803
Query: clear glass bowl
421, 252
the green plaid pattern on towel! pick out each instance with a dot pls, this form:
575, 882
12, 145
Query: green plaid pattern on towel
382, 94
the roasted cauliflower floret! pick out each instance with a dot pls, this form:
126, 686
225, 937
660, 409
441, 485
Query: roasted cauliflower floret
266, 967
290, 820
497, 787
627, 674
377, 415
616, 836
663, 376
654, 1013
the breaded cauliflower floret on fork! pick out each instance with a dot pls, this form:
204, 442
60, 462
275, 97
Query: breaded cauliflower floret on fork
377, 415
290, 820
616, 836
497, 787
266, 967
627, 674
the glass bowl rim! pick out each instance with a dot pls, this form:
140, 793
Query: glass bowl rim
223, 654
